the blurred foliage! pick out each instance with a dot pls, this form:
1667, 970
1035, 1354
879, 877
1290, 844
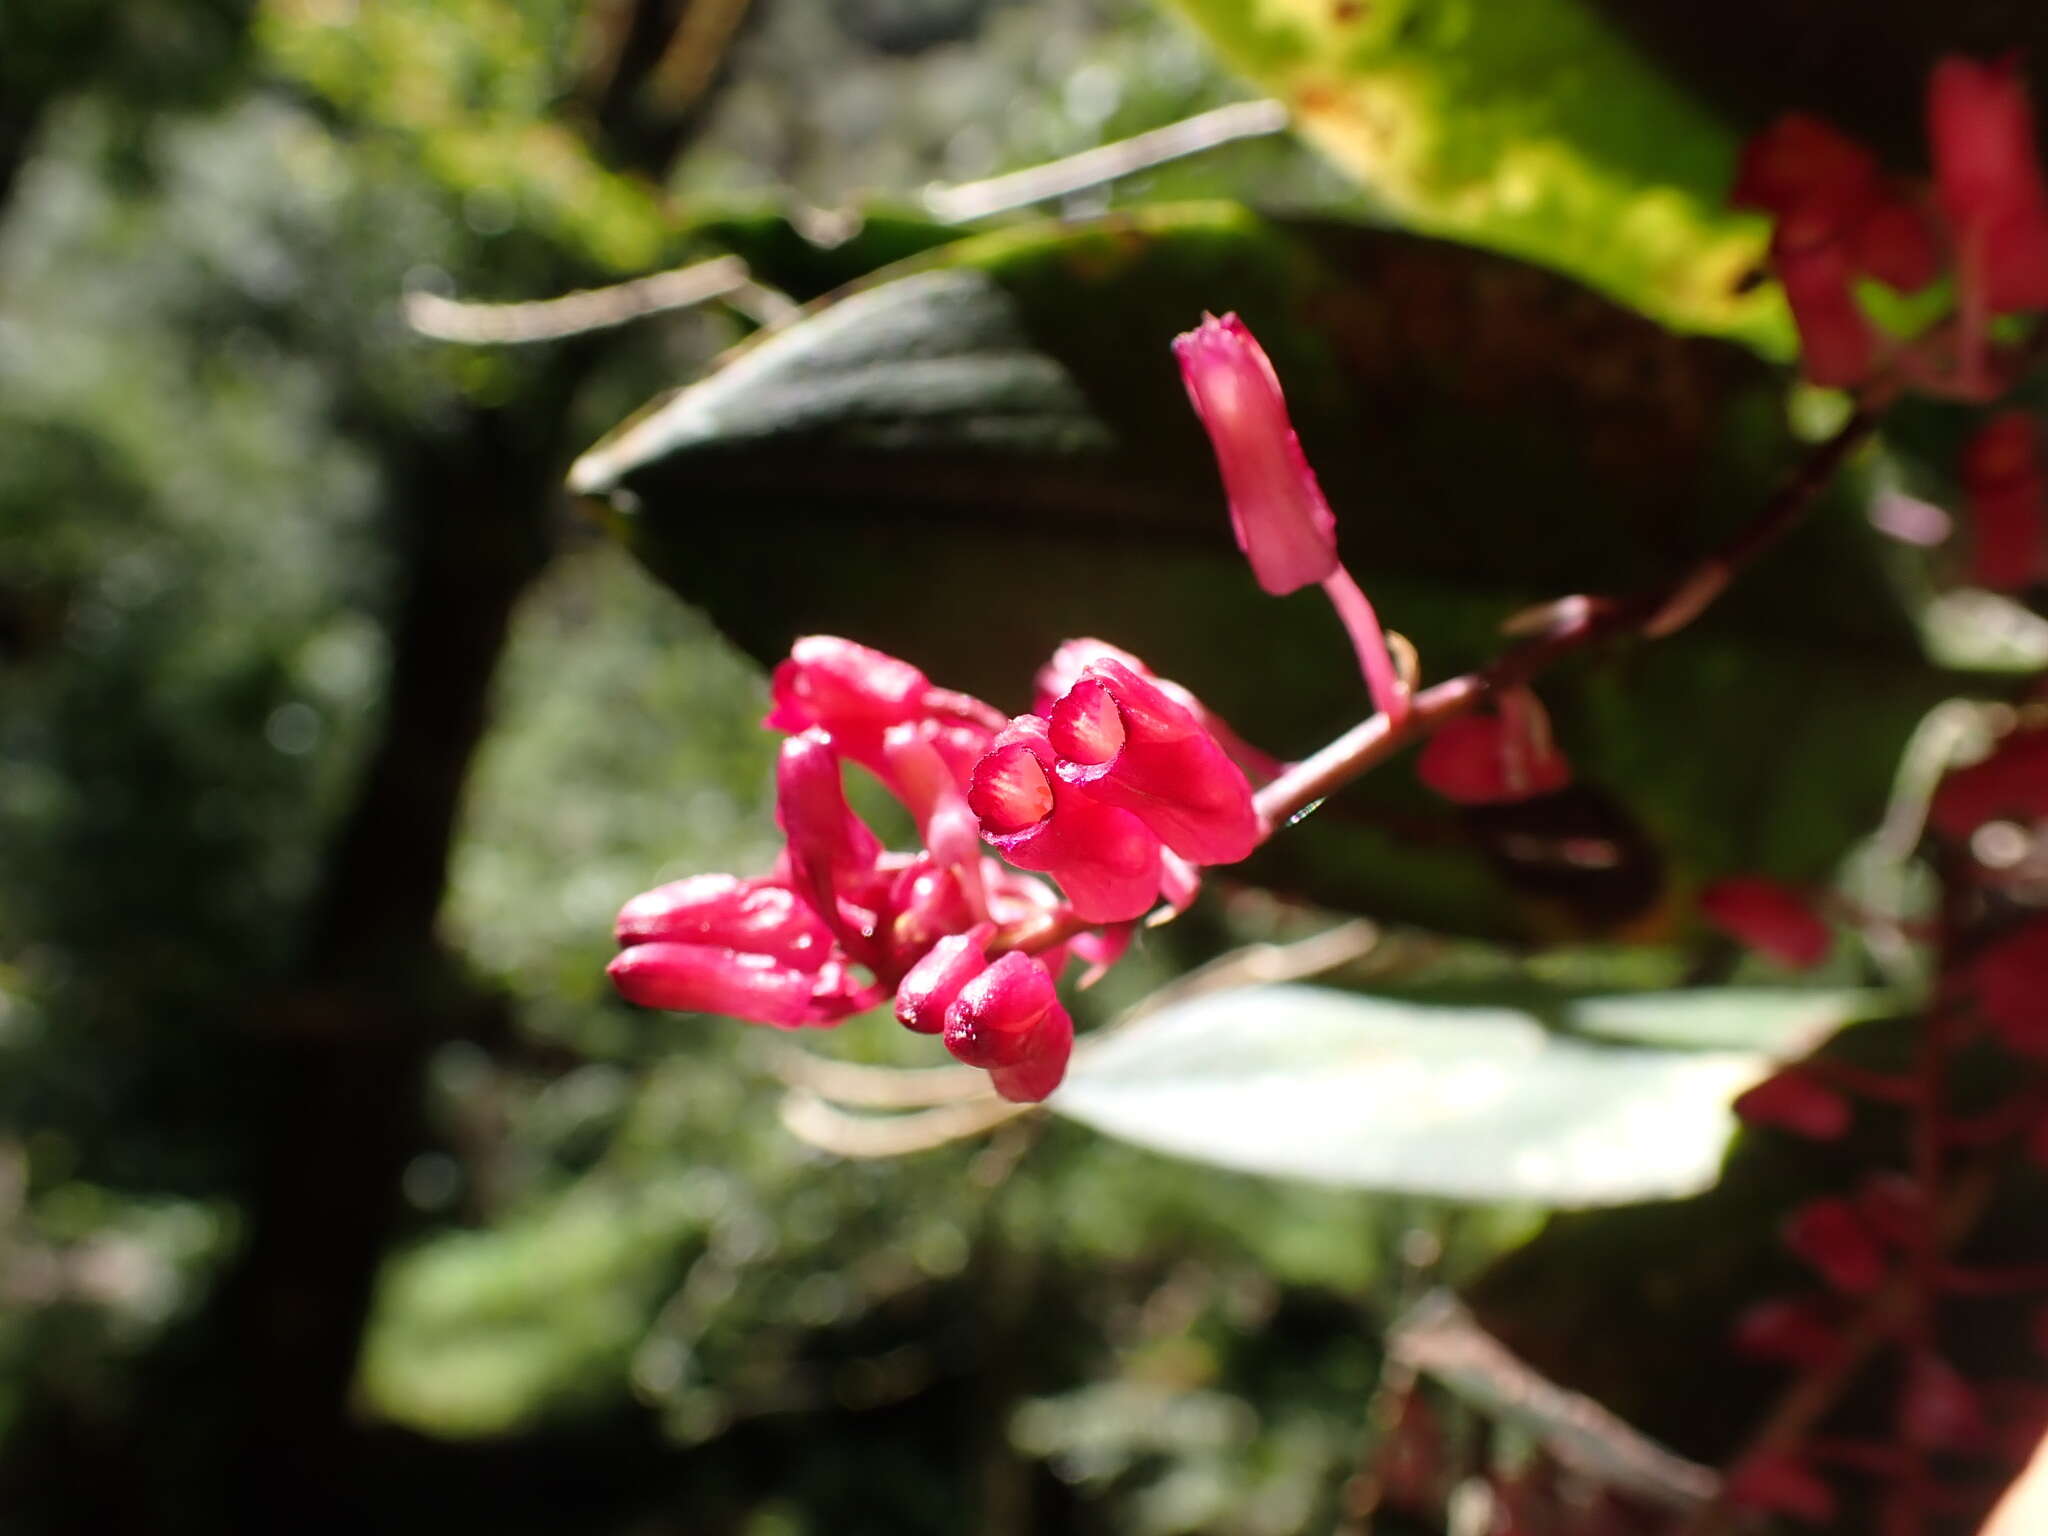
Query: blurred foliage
1526, 126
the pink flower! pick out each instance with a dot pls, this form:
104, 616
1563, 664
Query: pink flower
1781, 1486
1283, 524
2011, 785
749, 949
834, 860
1838, 218
1797, 1101
1770, 917
1124, 741
931, 985
1008, 1019
1105, 859
853, 694
1837, 344
1981, 129
1064, 669
1802, 161
2009, 979
1939, 1411
697, 978
1801, 1333
2008, 497
727, 912
1495, 759
1830, 1236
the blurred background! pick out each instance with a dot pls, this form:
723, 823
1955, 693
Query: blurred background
337, 1193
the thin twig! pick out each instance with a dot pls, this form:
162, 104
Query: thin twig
1106, 162
809, 1118
1578, 627
871, 1087
1555, 631
576, 314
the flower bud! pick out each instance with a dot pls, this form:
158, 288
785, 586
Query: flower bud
1106, 860
1126, 742
695, 978
1801, 161
2007, 493
755, 916
2009, 981
931, 985
853, 695
1796, 1100
1032, 1080
1837, 344
1768, 916
1277, 510
1798, 1333
1988, 175
1832, 1238
2009, 785
1939, 1412
995, 1016
1780, 1486
1494, 759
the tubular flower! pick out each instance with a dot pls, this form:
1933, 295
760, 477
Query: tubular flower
1802, 1333
2009, 981
1838, 218
1008, 1019
1495, 759
750, 949
2007, 492
2011, 785
833, 859
1126, 742
1837, 344
1277, 510
853, 695
727, 912
1105, 859
1796, 1100
1804, 170
1781, 1486
1770, 917
928, 989
1802, 161
1064, 670
696, 978
930, 789
1830, 1236
1981, 129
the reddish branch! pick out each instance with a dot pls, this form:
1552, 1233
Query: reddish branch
1570, 626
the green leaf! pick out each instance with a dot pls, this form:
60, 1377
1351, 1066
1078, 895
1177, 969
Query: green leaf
1781, 1021
1526, 126
1462, 1103
988, 450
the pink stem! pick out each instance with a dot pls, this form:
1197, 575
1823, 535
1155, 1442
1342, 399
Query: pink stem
1370, 641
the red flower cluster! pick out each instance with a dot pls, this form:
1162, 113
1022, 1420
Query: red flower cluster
1840, 220
1118, 789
